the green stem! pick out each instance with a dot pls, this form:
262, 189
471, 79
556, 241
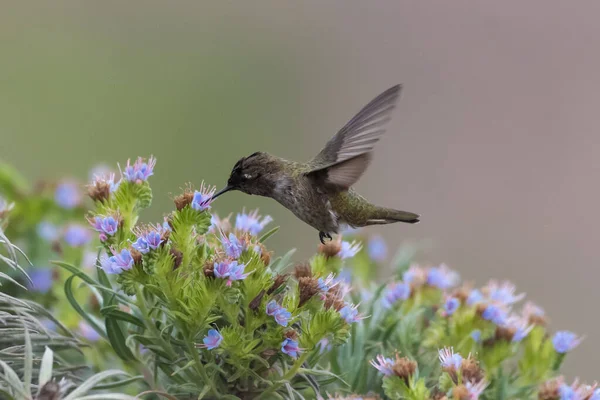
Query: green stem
290, 374
200, 368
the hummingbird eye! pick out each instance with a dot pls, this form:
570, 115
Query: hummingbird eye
246, 177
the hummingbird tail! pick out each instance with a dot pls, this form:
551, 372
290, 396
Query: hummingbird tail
383, 216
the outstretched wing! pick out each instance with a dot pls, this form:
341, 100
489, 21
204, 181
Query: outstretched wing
347, 155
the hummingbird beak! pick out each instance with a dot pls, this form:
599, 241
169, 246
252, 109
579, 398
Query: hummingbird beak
220, 192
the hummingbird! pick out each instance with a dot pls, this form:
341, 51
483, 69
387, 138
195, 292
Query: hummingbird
319, 192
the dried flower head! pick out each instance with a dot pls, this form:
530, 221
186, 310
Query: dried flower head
308, 287
550, 390
404, 368
184, 199
279, 280
471, 371
303, 271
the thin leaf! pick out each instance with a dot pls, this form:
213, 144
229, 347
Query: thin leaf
77, 307
123, 382
28, 363
46, 367
11, 378
268, 234
166, 395
117, 339
91, 383
281, 263
107, 396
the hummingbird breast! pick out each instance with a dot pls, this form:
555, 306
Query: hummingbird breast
307, 202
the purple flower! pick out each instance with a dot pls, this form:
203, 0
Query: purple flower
324, 345
521, 328
67, 195
377, 248
476, 335
595, 395
565, 341
41, 279
77, 235
107, 226
568, 393
148, 238
415, 275
474, 297
251, 222
233, 246
117, 263
450, 306
88, 332
290, 347
449, 359
282, 316
350, 313
272, 307
212, 340
140, 171
503, 293
383, 365
441, 277
496, 314
395, 292
141, 245
202, 198
47, 231
476, 389
349, 250
327, 283
154, 239
230, 270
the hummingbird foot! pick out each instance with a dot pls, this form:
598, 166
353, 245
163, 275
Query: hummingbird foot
323, 236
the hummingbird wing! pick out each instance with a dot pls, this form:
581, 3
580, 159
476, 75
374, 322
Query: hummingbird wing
347, 154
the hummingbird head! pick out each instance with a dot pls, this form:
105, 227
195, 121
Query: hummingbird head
248, 175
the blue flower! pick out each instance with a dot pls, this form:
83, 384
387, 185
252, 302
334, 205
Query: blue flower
230, 270
202, 198
41, 279
503, 293
475, 389
88, 332
47, 231
350, 313
106, 226
377, 248
595, 395
565, 341
520, 327
140, 171
568, 393
450, 360
212, 340
251, 222
441, 277
383, 365
495, 313
327, 283
474, 297
67, 195
233, 246
141, 245
415, 275
349, 250
451, 305
282, 316
290, 347
77, 235
395, 292
476, 335
117, 263
272, 307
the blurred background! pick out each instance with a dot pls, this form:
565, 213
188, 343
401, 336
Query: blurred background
495, 141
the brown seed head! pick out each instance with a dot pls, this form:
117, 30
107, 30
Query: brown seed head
291, 334
209, 269
404, 368
331, 248
505, 333
462, 293
308, 288
255, 303
550, 390
177, 258
302, 270
184, 199
99, 190
333, 300
136, 255
461, 392
279, 280
471, 371
265, 255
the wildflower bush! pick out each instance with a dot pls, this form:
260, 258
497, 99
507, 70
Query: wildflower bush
196, 306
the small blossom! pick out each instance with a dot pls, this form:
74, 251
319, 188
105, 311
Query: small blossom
290, 347
212, 340
117, 263
415, 275
565, 341
233, 246
441, 277
327, 283
237, 272
383, 365
67, 195
503, 293
41, 279
202, 198
595, 395
282, 316
377, 248
396, 292
47, 231
141, 245
450, 306
272, 307
140, 171
350, 313
349, 250
449, 359
77, 235
324, 345
475, 297
106, 226
496, 314
230, 270
476, 335
520, 327
102, 186
148, 238
476, 389
251, 222
88, 332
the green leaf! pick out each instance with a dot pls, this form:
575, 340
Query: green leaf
123, 382
77, 307
117, 339
28, 366
11, 378
75, 271
123, 316
91, 383
268, 234
281, 263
